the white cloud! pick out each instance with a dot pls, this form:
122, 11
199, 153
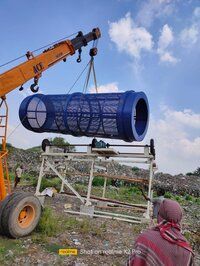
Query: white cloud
189, 36
166, 37
167, 57
186, 117
110, 87
130, 38
177, 151
165, 40
152, 9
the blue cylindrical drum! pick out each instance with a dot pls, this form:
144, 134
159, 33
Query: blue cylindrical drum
107, 115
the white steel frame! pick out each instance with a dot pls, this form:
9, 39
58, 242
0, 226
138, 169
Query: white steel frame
95, 156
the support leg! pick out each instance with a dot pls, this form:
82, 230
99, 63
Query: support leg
88, 203
149, 190
62, 188
104, 187
40, 178
65, 182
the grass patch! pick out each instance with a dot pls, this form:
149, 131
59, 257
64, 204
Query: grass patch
81, 188
12, 176
53, 182
124, 193
71, 223
9, 248
84, 226
183, 199
53, 248
99, 181
48, 224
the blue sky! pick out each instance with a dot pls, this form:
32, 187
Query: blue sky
150, 46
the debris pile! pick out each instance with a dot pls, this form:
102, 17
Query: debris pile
177, 184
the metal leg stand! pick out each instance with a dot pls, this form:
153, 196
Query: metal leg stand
104, 187
149, 190
40, 178
88, 203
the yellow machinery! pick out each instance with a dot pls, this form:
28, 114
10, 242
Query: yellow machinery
20, 212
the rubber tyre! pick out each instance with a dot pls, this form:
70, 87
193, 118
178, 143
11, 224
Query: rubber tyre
10, 216
3, 206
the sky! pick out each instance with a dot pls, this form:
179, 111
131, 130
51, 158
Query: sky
151, 46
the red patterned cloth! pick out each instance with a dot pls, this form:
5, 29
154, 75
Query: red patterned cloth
163, 244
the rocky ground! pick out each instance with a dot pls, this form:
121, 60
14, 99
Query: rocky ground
99, 241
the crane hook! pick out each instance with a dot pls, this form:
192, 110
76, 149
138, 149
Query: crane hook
34, 87
21, 88
78, 60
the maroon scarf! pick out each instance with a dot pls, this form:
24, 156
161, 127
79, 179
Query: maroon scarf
173, 236
156, 246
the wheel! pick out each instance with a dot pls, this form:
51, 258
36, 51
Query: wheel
152, 148
3, 204
45, 143
21, 215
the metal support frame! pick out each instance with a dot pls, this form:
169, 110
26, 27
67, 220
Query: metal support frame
5, 186
104, 187
150, 189
94, 156
88, 203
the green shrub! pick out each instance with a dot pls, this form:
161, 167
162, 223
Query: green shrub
178, 198
135, 169
188, 197
99, 181
135, 190
70, 223
85, 227
48, 224
53, 182
12, 176
197, 200
168, 195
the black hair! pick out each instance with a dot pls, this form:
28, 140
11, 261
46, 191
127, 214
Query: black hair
160, 191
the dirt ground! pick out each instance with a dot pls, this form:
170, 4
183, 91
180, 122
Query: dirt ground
98, 241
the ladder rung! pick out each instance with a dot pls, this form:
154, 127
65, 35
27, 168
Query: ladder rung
1, 116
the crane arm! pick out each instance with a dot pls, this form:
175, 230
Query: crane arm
35, 65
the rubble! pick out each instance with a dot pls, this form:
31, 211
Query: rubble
177, 184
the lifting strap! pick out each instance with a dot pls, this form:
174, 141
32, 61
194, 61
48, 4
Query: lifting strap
91, 70
93, 52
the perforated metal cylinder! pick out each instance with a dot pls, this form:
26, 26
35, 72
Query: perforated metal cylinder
107, 115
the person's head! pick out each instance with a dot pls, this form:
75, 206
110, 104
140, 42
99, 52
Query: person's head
160, 191
170, 211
